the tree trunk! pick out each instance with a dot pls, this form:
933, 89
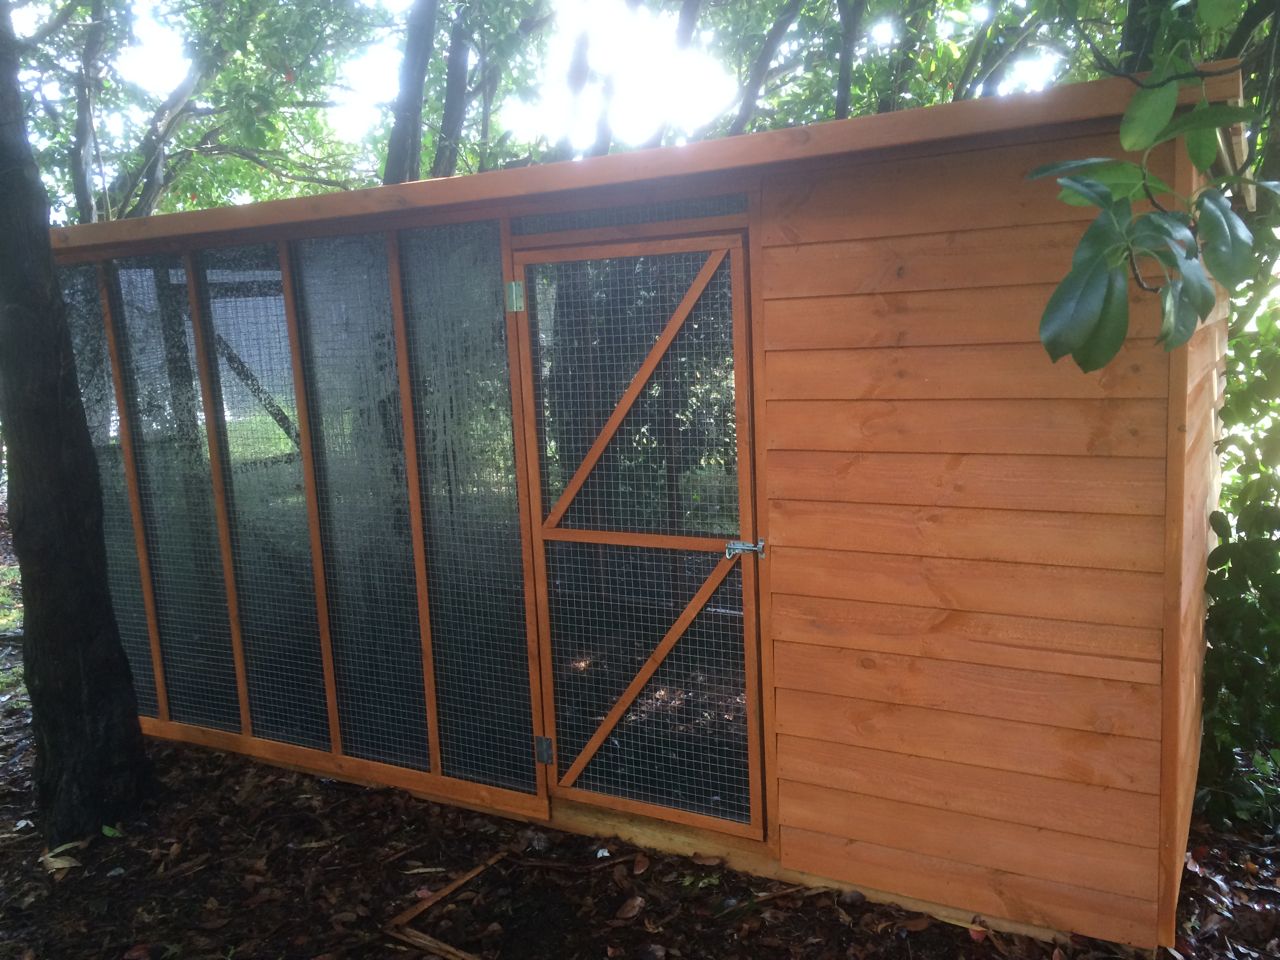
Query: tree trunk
404, 147
90, 767
455, 100
760, 68
83, 143
852, 13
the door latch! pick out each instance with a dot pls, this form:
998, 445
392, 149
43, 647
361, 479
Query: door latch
735, 547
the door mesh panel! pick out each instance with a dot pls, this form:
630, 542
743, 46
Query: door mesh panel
682, 742
177, 498
353, 392
93, 368
462, 395
661, 211
672, 465
244, 305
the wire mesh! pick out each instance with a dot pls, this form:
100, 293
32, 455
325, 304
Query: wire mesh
243, 303
683, 741
175, 489
660, 211
97, 391
358, 435
462, 395
672, 465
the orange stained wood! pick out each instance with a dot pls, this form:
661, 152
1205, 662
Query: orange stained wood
623, 538
1074, 103
528, 500
636, 809
312, 493
128, 455
413, 479
637, 384
210, 396
649, 668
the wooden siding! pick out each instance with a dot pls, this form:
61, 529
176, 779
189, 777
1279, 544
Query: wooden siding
967, 561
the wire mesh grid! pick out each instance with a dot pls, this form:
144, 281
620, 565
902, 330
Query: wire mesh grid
683, 741
243, 305
462, 396
175, 490
97, 390
659, 211
358, 436
672, 465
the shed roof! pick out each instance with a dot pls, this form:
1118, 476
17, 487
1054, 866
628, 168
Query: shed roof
1067, 104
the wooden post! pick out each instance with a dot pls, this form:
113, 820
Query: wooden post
217, 474
414, 478
312, 493
129, 458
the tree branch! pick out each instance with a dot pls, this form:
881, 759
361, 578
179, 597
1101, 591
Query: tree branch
760, 67
404, 147
852, 13
454, 111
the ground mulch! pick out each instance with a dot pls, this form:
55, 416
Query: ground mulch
236, 859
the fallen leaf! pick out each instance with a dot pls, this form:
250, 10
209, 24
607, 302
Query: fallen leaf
641, 864
630, 908
916, 924
977, 934
139, 951
703, 860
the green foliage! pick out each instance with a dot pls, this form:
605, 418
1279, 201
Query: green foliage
10, 599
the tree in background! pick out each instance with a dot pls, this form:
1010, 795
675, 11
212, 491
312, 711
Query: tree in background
90, 768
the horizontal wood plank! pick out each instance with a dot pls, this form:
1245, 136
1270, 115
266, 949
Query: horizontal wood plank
1067, 539
1003, 257
980, 889
1116, 428
1081, 703
1026, 643
1117, 597
1060, 805
979, 189
1108, 485
1127, 763
993, 372
926, 318
1087, 862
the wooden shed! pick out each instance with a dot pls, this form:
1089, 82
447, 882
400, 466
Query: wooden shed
719, 497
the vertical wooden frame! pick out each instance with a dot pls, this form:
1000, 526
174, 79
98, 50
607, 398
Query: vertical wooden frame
760, 499
544, 531
524, 432
742, 395
312, 493
123, 412
413, 478
209, 397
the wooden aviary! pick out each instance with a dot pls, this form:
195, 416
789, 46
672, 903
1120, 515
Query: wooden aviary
720, 497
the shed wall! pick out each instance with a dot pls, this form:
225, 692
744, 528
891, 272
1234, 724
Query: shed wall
966, 583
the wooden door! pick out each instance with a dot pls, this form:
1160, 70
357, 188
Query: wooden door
636, 387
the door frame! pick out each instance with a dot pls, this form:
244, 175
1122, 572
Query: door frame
541, 532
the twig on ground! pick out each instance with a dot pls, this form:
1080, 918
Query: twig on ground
404, 916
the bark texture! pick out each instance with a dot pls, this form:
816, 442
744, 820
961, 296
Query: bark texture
90, 767
404, 146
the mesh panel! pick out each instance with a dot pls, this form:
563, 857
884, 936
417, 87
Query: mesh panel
244, 303
462, 393
177, 499
690, 208
353, 391
93, 367
672, 465
683, 741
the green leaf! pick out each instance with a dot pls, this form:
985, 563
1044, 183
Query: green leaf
1202, 147
1217, 14
1148, 113
1122, 178
1271, 186
1088, 190
109, 831
1067, 166
1113, 325
1205, 116
1103, 238
1221, 524
1227, 242
1179, 316
1073, 311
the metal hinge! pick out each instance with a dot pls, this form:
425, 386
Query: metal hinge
735, 547
542, 749
515, 296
